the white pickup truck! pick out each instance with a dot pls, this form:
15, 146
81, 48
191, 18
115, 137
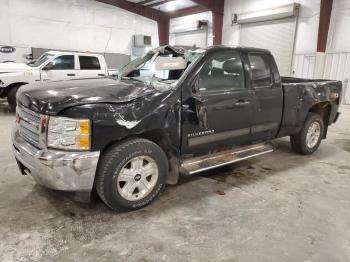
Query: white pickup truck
52, 65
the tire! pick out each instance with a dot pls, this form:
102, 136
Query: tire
11, 98
304, 143
122, 174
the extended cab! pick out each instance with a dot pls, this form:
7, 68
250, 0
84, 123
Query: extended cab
172, 111
52, 65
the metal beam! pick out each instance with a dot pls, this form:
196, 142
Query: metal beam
323, 27
145, 2
136, 8
163, 31
188, 11
156, 15
217, 28
216, 6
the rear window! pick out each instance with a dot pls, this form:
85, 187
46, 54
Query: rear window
89, 63
261, 71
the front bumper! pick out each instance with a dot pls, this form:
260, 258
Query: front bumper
60, 170
336, 117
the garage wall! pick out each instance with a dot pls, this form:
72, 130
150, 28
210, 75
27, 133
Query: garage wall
306, 28
198, 37
81, 25
338, 47
276, 35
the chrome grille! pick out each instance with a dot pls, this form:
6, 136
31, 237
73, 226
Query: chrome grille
29, 125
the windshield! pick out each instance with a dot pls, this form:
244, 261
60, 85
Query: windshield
43, 58
160, 66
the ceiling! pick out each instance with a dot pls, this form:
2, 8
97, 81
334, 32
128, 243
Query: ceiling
166, 5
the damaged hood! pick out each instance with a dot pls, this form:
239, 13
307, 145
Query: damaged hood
52, 97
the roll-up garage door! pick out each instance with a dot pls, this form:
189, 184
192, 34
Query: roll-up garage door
191, 38
275, 35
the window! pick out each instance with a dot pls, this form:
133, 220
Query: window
43, 58
64, 62
222, 72
261, 71
89, 63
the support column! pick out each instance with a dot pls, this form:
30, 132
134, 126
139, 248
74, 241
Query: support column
163, 31
323, 28
217, 28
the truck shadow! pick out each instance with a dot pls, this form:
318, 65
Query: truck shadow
4, 107
191, 188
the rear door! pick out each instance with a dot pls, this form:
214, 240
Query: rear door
90, 66
268, 96
217, 113
60, 68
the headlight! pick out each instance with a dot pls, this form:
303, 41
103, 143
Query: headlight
69, 133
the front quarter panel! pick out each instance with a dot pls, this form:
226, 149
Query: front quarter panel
16, 77
159, 112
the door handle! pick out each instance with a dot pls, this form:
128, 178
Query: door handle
101, 75
70, 74
242, 103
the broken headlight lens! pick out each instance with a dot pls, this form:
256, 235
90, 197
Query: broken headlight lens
68, 133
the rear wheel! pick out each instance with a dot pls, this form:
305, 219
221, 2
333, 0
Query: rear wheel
132, 174
310, 136
11, 98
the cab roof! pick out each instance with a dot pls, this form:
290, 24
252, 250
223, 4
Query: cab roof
181, 49
240, 48
53, 52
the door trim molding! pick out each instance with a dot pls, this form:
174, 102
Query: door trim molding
210, 138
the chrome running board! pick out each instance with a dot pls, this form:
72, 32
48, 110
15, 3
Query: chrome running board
199, 164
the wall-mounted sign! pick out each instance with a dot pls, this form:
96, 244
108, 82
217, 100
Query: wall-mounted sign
7, 49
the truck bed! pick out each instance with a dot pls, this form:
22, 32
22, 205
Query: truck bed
293, 80
300, 95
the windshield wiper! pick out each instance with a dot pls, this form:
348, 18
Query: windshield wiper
129, 78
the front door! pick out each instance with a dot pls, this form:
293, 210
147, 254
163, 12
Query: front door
217, 113
61, 68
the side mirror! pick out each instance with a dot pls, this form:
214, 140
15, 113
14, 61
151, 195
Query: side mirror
48, 67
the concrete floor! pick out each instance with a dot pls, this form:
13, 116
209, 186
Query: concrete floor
277, 207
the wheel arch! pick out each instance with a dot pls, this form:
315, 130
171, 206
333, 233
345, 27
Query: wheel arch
13, 85
323, 109
160, 138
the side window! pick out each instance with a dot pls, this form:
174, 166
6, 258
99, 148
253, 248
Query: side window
89, 63
261, 71
64, 62
222, 72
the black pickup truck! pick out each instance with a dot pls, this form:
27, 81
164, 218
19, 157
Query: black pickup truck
173, 111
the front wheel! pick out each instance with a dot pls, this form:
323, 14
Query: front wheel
310, 136
131, 174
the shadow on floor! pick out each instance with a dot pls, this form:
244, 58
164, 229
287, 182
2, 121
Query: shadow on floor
189, 190
4, 107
